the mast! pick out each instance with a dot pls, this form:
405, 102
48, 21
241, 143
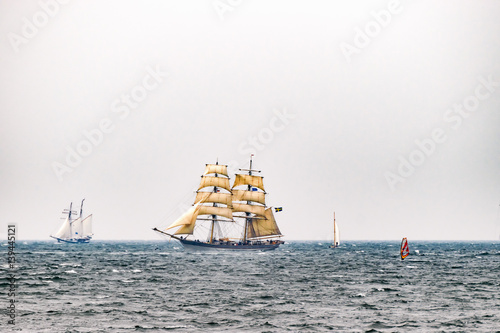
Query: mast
81, 208
214, 217
69, 220
247, 220
334, 230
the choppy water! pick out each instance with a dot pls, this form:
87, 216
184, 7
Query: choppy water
306, 287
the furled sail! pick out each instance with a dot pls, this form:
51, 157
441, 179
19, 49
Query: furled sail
255, 209
243, 195
264, 227
255, 181
221, 182
336, 234
64, 230
216, 168
211, 197
87, 226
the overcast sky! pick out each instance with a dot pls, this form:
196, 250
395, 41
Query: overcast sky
387, 113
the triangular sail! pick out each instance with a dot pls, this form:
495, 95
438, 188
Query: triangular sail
336, 234
187, 218
264, 227
76, 228
64, 230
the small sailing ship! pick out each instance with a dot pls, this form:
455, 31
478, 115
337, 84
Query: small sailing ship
225, 217
77, 230
405, 251
336, 234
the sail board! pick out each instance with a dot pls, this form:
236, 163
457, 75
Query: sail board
405, 251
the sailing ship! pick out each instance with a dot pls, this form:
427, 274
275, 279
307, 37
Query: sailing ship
77, 230
225, 217
405, 251
336, 234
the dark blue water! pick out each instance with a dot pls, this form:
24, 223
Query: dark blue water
301, 287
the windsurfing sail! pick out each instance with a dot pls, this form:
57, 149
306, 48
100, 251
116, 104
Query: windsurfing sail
405, 251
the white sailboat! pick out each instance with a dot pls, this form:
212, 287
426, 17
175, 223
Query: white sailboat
336, 234
77, 230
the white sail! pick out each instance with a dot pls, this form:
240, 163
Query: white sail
76, 228
64, 230
244, 195
188, 218
87, 226
336, 234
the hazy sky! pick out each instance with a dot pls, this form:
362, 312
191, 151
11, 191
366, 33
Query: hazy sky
386, 112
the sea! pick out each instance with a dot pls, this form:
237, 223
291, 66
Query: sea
156, 286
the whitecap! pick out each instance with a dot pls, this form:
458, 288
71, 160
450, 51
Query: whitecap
136, 271
71, 271
408, 266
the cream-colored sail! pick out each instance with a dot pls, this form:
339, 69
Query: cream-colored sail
185, 229
216, 168
264, 228
221, 211
243, 195
223, 198
255, 209
187, 218
221, 182
255, 181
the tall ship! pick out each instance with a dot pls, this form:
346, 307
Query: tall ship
74, 230
225, 217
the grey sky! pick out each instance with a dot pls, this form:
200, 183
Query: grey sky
329, 126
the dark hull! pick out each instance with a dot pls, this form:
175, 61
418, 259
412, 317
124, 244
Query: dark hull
200, 246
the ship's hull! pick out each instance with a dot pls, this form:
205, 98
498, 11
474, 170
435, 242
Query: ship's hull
201, 246
72, 240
